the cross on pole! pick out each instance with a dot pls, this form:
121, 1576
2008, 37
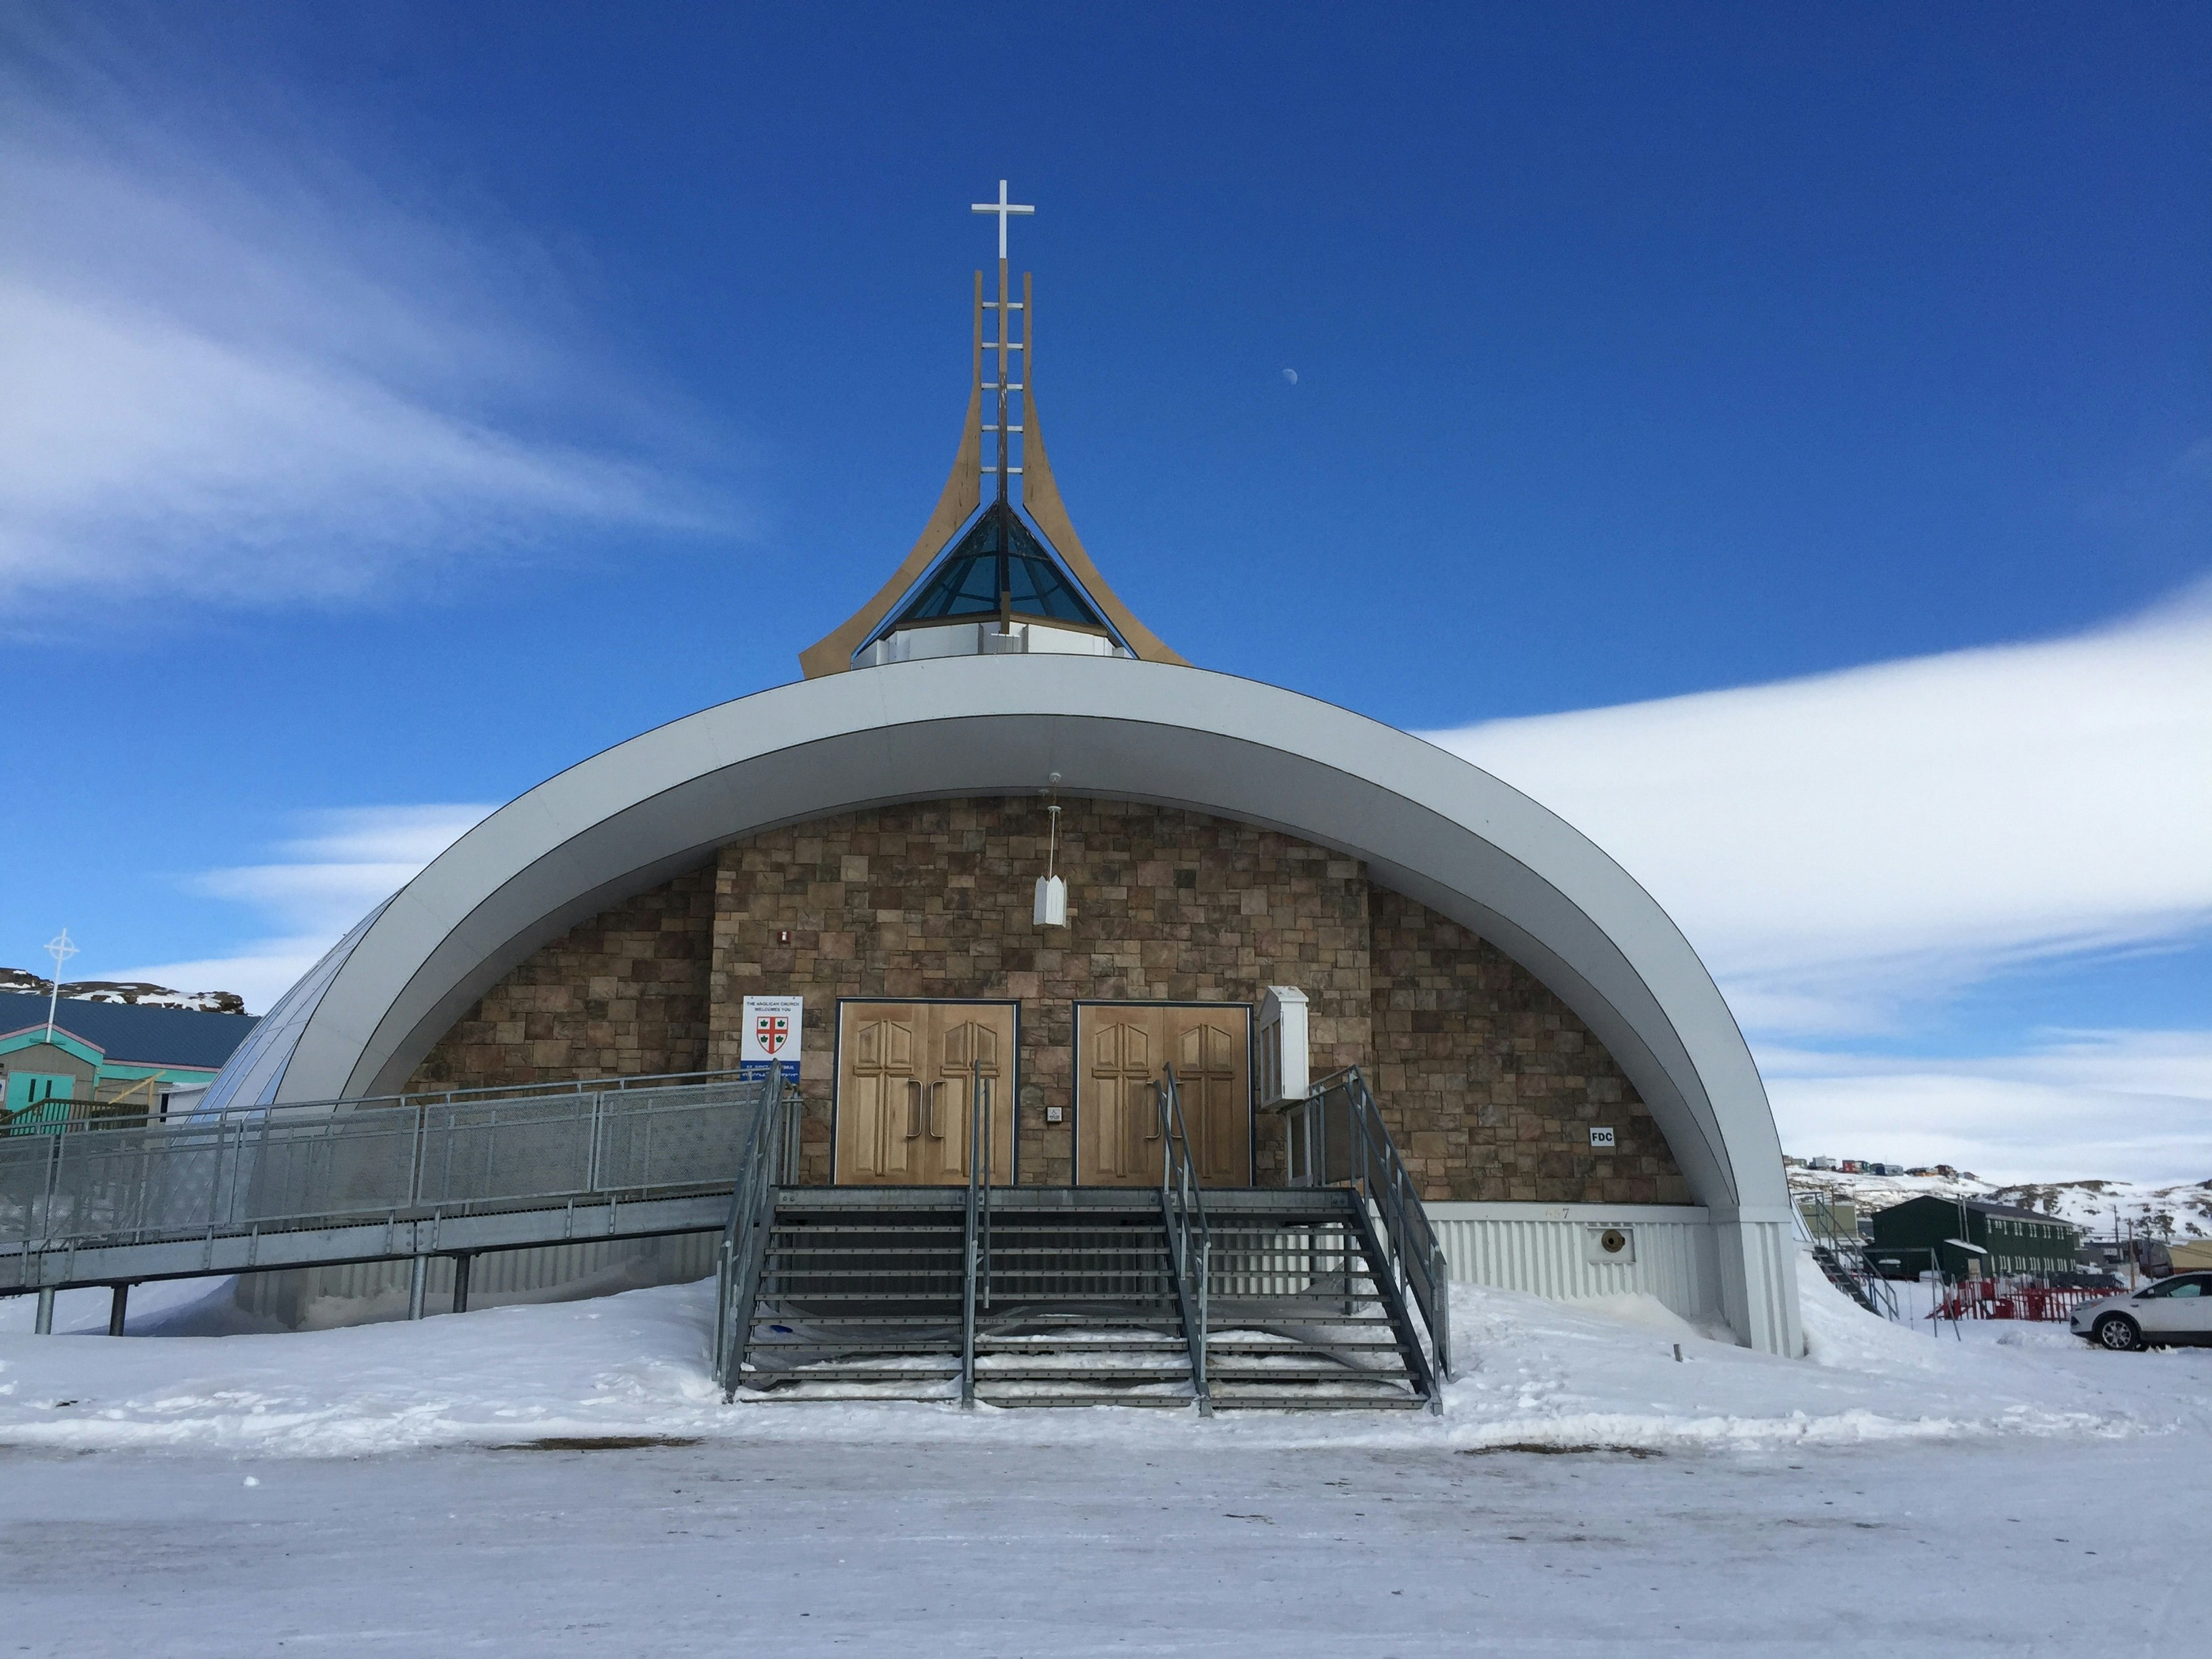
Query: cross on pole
60, 948
1003, 209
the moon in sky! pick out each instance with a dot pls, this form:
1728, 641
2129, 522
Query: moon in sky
1292, 376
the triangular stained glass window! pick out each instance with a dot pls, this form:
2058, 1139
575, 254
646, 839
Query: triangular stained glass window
999, 554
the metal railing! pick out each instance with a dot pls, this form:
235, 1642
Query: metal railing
1337, 1138
327, 1163
975, 1254
1846, 1265
1840, 1251
769, 1154
1190, 1241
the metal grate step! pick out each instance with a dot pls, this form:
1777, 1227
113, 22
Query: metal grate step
864, 1299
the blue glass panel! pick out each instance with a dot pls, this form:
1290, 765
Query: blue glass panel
967, 586
999, 552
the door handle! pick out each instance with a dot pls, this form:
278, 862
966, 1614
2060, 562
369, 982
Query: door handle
935, 1134
914, 1123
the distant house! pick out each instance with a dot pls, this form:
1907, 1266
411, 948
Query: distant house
2009, 1243
2192, 1256
1828, 1217
104, 1059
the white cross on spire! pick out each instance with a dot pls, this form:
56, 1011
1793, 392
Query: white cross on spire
61, 950
1003, 208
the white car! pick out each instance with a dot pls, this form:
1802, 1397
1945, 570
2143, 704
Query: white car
2169, 1312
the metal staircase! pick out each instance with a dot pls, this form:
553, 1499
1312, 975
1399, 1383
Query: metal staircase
1837, 1275
1841, 1254
1053, 1297
864, 1295
1305, 1312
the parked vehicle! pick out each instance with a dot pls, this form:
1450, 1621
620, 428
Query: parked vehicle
2169, 1313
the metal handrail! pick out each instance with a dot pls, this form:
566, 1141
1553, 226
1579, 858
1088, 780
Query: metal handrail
304, 1110
1847, 1253
743, 1258
1190, 1240
1850, 1259
1879, 1290
975, 1265
281, 1169
1416, 1255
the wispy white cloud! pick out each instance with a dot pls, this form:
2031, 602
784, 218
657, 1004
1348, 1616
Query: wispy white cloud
1843, 847
2128, 1105
241, 370
350, 862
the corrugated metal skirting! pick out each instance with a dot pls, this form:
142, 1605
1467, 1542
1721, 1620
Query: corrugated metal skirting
363, 1292
1545, 1248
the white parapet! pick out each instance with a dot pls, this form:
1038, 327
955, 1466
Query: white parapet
985, 639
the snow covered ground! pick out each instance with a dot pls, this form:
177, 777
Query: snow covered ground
635, 1364
419, 1488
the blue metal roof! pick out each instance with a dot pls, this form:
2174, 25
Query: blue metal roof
133, 1036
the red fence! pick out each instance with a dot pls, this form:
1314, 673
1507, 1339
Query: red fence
1984, 1298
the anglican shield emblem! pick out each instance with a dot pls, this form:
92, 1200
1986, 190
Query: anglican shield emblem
771, 1033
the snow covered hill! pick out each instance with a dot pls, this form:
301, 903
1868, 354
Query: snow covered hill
2181, 1211
137, 992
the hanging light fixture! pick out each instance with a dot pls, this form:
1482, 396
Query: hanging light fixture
1051, 909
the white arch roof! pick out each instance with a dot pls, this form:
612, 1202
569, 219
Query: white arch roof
1427, 824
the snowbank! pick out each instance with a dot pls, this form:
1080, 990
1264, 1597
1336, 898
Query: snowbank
1532, 1373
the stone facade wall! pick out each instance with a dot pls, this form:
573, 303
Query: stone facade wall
1489, 1082
623, 994
934, 900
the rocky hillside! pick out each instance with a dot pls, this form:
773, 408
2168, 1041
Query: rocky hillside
111, 990
2183, 1210
2178, 1211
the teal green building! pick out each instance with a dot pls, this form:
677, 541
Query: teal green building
105, 1059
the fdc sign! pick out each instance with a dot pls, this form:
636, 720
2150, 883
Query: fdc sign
772, 1034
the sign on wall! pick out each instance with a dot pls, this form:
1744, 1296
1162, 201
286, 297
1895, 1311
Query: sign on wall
772, 1033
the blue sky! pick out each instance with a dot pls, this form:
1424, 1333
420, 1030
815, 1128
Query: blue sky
411, 400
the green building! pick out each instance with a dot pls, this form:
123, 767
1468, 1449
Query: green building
104, 1059
2009, 1243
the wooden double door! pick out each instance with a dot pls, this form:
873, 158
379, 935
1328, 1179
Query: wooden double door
904, 1075
1121, 1050
905, 1070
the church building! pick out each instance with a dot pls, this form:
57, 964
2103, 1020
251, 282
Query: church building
1000, 829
